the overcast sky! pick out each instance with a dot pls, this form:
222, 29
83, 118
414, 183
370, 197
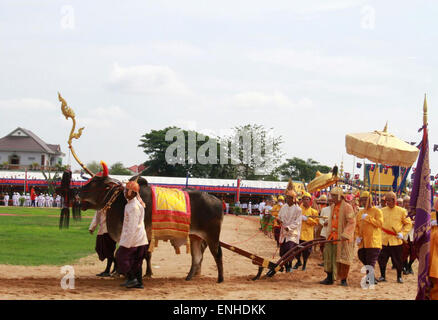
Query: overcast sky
312, 70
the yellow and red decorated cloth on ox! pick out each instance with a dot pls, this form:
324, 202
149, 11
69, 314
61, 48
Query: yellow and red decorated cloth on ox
170, 215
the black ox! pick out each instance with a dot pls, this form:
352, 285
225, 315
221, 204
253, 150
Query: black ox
205, 226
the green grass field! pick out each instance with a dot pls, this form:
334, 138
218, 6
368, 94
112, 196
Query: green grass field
37, 240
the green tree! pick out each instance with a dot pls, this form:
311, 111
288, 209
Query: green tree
118, 169
94, 166
299, 169
154, 145
258, 151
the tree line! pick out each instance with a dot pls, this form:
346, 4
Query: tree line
243, 163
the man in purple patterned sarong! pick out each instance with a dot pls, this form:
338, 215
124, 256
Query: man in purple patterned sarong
105, 245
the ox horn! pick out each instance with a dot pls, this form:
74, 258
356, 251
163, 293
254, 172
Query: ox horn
104, 169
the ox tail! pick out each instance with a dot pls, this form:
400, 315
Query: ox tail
64, 218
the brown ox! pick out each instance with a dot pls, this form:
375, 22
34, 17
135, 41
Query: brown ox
205, 226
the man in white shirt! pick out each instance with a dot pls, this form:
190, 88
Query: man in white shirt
133, 240
261, 213
58, 201
105, 245
40, 201
290, 219
325, 212
6, 199
14, 199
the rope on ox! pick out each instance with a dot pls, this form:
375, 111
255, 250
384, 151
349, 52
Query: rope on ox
112, 199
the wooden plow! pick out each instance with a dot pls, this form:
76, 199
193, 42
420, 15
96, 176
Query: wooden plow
274, 267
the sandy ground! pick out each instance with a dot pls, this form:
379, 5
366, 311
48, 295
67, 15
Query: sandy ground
44, 282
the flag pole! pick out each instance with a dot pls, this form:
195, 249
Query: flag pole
421, 204
380, 196
354, 162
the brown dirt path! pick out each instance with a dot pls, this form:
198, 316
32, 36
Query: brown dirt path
43, 282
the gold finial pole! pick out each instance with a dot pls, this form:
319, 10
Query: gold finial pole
69, 113
386, 127
425, 111
342, 168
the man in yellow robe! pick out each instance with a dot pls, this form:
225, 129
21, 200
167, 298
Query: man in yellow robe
396, 225
338, 256
307, 228
368, 234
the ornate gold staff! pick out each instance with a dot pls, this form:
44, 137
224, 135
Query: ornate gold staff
69, 113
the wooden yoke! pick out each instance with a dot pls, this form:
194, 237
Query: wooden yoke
261, 262
274, 267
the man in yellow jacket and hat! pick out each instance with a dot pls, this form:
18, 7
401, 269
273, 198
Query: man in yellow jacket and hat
368, 233
338, 256
396, 225
307, 228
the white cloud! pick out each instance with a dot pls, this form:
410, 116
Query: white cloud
102, 118
146, 79
257, 100
113, 112
252, 9
27, 104
177, 49
314, 61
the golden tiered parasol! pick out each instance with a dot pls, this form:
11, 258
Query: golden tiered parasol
323, 180
381, 147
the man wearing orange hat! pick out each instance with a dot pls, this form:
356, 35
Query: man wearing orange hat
396, 225
133, 240
338, 256
307, 228
290, 219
